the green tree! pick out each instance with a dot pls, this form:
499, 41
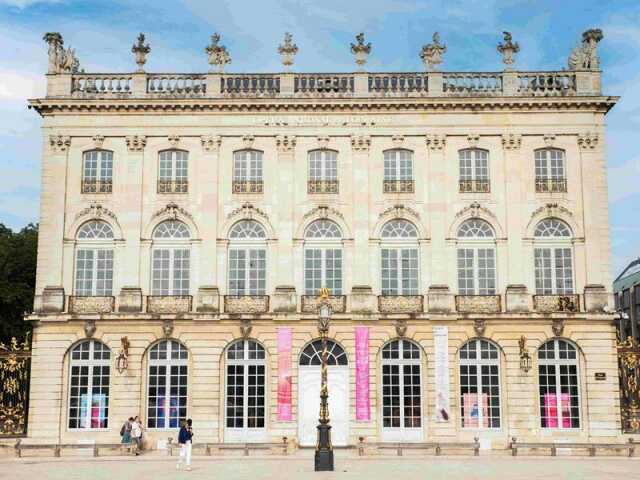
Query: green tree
17, 279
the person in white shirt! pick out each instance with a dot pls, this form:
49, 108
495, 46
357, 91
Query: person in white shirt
136, 435
185, 440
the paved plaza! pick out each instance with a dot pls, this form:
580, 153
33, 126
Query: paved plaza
301, 467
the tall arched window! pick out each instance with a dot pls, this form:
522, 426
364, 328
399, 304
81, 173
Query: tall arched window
553, 257
323, 258
173, 171
97, 171
323, 171
167, 382
247, 171
171, 258
559, 385
94, 260
89, 372
550, 170
312, 354
245, 389
476, 258
401, 389
398, 171
400, 268
474, 170
479, 384
247, 259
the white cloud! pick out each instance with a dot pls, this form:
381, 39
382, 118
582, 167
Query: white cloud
624, 180
20, 85
25, 3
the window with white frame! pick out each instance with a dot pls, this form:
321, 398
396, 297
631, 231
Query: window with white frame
398, 171
399, 260
553, 257
474, 170
550, 170
479, 384
97, 171
323, 171
247, 259
89, 373
559, 385
170, 259
246, 386
94, 260
167, 383
247, 171
401, 385
476, 258
323, 258
173, 172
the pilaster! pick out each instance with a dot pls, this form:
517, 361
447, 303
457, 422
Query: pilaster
209, 183
360, 146
513, 205
438, 203
286, 181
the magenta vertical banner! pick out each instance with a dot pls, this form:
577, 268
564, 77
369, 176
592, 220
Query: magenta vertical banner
284, 374
363, 407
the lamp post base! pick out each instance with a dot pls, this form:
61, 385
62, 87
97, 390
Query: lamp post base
324, 451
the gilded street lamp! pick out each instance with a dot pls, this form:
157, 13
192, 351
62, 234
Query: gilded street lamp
324, 449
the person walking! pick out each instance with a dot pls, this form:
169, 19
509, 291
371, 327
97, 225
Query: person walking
136, 435
185, 439
125, 433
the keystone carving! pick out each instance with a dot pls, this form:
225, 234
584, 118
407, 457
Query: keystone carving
167, 328
247, 141
174, 140
400, 211
95, 210
172, 211
479, 326
473, 140
397, 140
401, 328
136, 143
98, 141
59, 143
549, 139
322, 211
89, 328
248, 211
245, 328
558, 326
323, 142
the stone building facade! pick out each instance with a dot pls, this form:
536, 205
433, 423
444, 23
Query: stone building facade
459, 220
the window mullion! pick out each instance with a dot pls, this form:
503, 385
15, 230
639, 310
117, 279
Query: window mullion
480, 385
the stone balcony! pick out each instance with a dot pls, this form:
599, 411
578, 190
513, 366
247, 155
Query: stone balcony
81, 305
478, 303
246, 304
556, 303
311, 303
169, 303
401, 303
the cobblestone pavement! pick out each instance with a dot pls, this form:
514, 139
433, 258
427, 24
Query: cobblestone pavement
301, 467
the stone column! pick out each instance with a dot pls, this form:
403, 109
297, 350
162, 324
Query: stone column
285, 145
209, 224
438, 208
360, 145
131, 218
513, 207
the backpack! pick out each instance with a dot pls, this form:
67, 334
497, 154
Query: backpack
122, 430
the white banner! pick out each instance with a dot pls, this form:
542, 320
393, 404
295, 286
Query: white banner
441, 348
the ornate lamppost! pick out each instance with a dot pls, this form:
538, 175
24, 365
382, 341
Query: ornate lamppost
324, 449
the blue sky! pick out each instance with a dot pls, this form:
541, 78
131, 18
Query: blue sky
102, 33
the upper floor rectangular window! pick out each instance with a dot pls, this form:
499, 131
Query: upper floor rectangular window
97, 171
550, 170
247, 171
474, 171
323, 171
173, 171
398, 171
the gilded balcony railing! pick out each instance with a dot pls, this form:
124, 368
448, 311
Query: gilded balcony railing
475, 186
102, 84
551, 185
400, 303
247, 186
85, 304
188, 85
173, 186
478, 303
248, 304
398, 84
311, 303
169, 303
556, 303
322, 186
96, 186
397, 186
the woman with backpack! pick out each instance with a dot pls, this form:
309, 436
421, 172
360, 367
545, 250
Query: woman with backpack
125, 432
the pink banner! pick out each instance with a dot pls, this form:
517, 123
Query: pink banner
472, 410
363, 407
284, 374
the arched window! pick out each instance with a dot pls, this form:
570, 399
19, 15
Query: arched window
474, 170
559, 385
323, 258
247, 259
173, 172
89, 372
94, 260
398, 171
171, 258
245, 389
401, 388
312, 354
476, 258
97, 171
550, 170
323, 171
479, 384
553, 257
247, 171
167, 381
400, 269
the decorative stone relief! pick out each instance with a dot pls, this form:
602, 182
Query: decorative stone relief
285, 143
549, 139
397, 140
479, 326
478, 303
558, 327
436, 142
167, 328
248, 212
323, 142
140, 52
211, 143
98, 141
361, 51
247, 141
511, 141
322, 211
96, 210
588, 140
218, 55
473, 140
60, 60
551, 210
245, 328
508, 49
248, 304
136, 143
399, 211
361, 143
89, 328
432, 53
168, 304
59, 143
585, 55
401, 328
475, 210
401, 304
174, 140
172, 211
287, 51
85, 305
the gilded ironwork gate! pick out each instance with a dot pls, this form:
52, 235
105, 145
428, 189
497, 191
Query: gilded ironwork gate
629, 368
15, 363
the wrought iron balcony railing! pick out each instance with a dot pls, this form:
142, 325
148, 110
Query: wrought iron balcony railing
250, 304
478, 303
96, 186
551, 185
169, 303
398, 186
400, 303
311, 303
248, 186
86, 304
173, 186
556, 303
322, 186
475, 186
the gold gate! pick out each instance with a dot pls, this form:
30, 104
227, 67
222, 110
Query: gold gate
15, 362
629, 368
